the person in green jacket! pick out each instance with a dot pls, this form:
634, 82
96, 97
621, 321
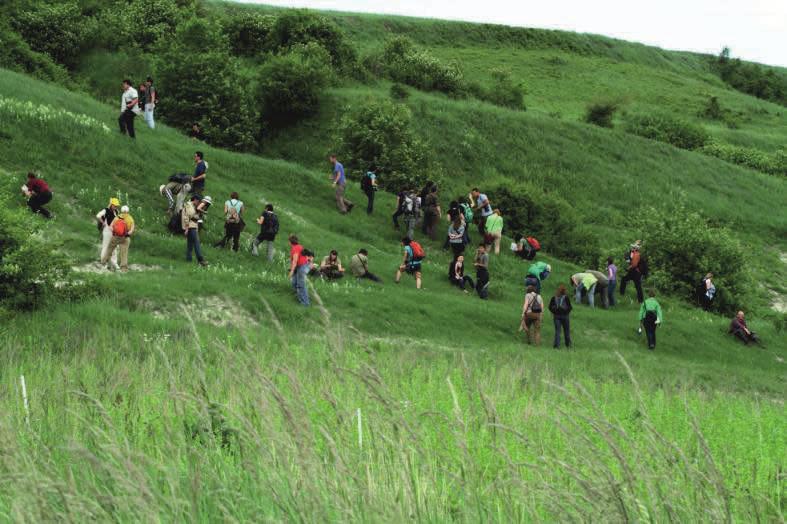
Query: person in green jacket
537, 272
650, 318
494, 231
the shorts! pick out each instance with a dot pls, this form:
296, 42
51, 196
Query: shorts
412, 269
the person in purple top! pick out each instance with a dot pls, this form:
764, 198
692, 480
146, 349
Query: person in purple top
342, 204
612, 276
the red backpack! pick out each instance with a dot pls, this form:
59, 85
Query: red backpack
533, 242
418, 251
119, 228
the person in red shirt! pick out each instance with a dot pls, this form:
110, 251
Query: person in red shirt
300, 265
38, 194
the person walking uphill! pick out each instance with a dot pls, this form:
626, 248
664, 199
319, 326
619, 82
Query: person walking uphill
650, 318
633, 272
532, 313
129, 108
38, 194
104, 219
342, 204
369, 187
190, 224
122, 228
411, 261
536, 273
300, 265
481, 264
233, 222
560, 307
269, 228
494, 231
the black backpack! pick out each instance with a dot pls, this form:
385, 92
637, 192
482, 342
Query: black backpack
561, 305
174, 225
179, 178
643, 266
366, 182
271, 224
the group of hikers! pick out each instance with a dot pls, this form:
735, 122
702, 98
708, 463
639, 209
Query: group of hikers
187, 209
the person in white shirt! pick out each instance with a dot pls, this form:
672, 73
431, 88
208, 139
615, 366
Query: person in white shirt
129, 108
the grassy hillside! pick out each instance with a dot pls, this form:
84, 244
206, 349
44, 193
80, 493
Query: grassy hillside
190, 394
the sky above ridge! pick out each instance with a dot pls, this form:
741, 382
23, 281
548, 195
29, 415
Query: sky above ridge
753, 29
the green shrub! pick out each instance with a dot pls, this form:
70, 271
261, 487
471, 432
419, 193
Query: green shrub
753, 79
504, 92
556, 223
713, 109
402, 62
290, 85
16, 55
145, 23
380, 134
300, 27
679, 133
682, 247
203, 84
399, 91
774, 164
601, 113
249, 33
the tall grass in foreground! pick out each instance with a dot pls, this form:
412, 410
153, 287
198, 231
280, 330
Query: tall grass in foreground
236, 429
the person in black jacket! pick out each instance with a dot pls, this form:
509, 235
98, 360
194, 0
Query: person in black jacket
560, 307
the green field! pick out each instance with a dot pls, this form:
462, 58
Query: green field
177, 393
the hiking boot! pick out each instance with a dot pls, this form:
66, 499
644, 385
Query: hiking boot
350, 207
203, 263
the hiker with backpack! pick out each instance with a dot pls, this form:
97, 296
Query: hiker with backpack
560, 307
300, 265
526, 248
650, 318
200, 173
494, 231
602, 286
38, 194
359, 266
340, 182
432, 212
104, 220
635, 271
481, 264
537, 273
331, 267
479, 201
411, 261
532, 314
410, 212
369, 187
122, 227
456, 274
190, 221
233, 222
707, 292
741, 331
129, 109
612, 279
584, 283
175, 190
269, 228
456, 236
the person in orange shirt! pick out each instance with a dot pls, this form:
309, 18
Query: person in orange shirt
633, 272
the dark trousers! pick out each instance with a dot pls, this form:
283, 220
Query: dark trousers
395, 217
745, 337
37, 201
192, 244
482, 283
650, 331
562, 322
464, 283
231, 231
458, 249
635, 276
369, 200
126, 122
482, 226
371, 276
611, 292
530, 280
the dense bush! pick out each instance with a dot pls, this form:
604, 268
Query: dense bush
249, 33
752, 79
682, 247
774, 164
380, 134
55, 28
548, 217
16, 55
601, 113
401, 61
299, 27
290, 85
145, 23
504, 92
399, 91
203, 84
677, 132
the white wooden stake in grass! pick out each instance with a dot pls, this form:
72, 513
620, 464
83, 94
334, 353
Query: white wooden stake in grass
24, 399
360, 429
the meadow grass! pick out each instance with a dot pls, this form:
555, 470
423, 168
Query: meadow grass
199, 395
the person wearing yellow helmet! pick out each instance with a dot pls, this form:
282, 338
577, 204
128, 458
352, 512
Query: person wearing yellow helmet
104, 220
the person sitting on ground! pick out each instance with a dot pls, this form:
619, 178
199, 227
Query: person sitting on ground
331, 266
708, 292
585, 282
494, 231
38, 194
739, 329
560, 307
650, 318
233, 222
359, 266
532, 313
269, 228
481, 264
602, 286
456, 274
411, 261
537, 273
633, 271
456, 236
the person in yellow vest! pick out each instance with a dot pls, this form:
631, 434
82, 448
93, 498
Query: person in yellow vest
122, 228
